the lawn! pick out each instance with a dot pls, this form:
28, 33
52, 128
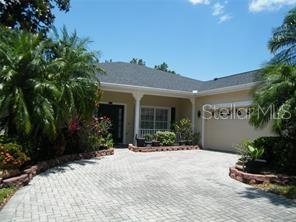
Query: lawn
288, 191
6, 193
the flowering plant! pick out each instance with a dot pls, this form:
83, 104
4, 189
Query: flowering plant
12, 156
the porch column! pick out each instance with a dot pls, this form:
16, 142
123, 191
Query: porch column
203, 128
192, 100
137, 96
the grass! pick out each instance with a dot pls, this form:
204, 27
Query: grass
5, 194
288, 191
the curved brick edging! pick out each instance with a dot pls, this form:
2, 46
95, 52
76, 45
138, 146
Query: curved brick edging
250, 178
29, 173
133, 148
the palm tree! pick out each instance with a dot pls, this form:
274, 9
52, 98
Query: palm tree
44, 83
283, 41
75, 73
26, 93
275, 100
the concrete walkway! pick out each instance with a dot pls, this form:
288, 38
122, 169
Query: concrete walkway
164, 186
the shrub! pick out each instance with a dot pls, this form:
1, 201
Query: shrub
148, 137
280, 153
184, 128
242, 149
12, 156
195, 138
166, 138
89, 135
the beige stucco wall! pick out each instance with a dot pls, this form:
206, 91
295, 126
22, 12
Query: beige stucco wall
224, 134
219, 134
182, 106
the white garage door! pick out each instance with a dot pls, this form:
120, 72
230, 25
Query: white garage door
225, 134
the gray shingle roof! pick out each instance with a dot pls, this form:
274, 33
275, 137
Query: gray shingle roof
133, 74
232, 80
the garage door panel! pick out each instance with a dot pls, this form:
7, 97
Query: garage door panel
225, 134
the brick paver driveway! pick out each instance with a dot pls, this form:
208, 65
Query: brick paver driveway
167, 186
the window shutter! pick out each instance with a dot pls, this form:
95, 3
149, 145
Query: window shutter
173, 116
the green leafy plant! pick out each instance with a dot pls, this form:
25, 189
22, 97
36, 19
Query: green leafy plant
44, 83
184, 128
254, 153
89, 135
280, 153
248, 151
195, 138
109, 141
242, 149
148, 137
166, 138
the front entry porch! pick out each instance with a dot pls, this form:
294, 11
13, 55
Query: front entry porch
146, 114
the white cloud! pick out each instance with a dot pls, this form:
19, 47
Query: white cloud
195, 2
261, 5
218, 9
224, 18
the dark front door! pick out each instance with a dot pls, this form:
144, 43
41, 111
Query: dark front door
116, 114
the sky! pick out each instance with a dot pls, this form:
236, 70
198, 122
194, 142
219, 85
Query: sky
201, 39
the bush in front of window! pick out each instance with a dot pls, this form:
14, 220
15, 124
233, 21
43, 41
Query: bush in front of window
184, 129
166, 138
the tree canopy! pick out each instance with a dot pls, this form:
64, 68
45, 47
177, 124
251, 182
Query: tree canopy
45, 82
275, 97
30, 15
138, 61
164, 67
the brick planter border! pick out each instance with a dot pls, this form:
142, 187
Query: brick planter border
133, 148
250, 178
27, 175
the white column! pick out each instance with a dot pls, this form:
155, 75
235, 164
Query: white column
202, 128
137, 96
193, 114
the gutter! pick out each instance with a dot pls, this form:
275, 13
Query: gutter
151, 90
175, 93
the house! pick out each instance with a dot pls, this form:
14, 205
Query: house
142, 100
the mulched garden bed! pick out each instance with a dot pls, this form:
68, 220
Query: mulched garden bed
26, 176
133, 148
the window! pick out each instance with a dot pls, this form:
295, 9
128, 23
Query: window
154, 118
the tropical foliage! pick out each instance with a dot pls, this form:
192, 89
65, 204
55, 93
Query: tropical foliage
44, 83
26, 94
283, 41
275, 96
276, 101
